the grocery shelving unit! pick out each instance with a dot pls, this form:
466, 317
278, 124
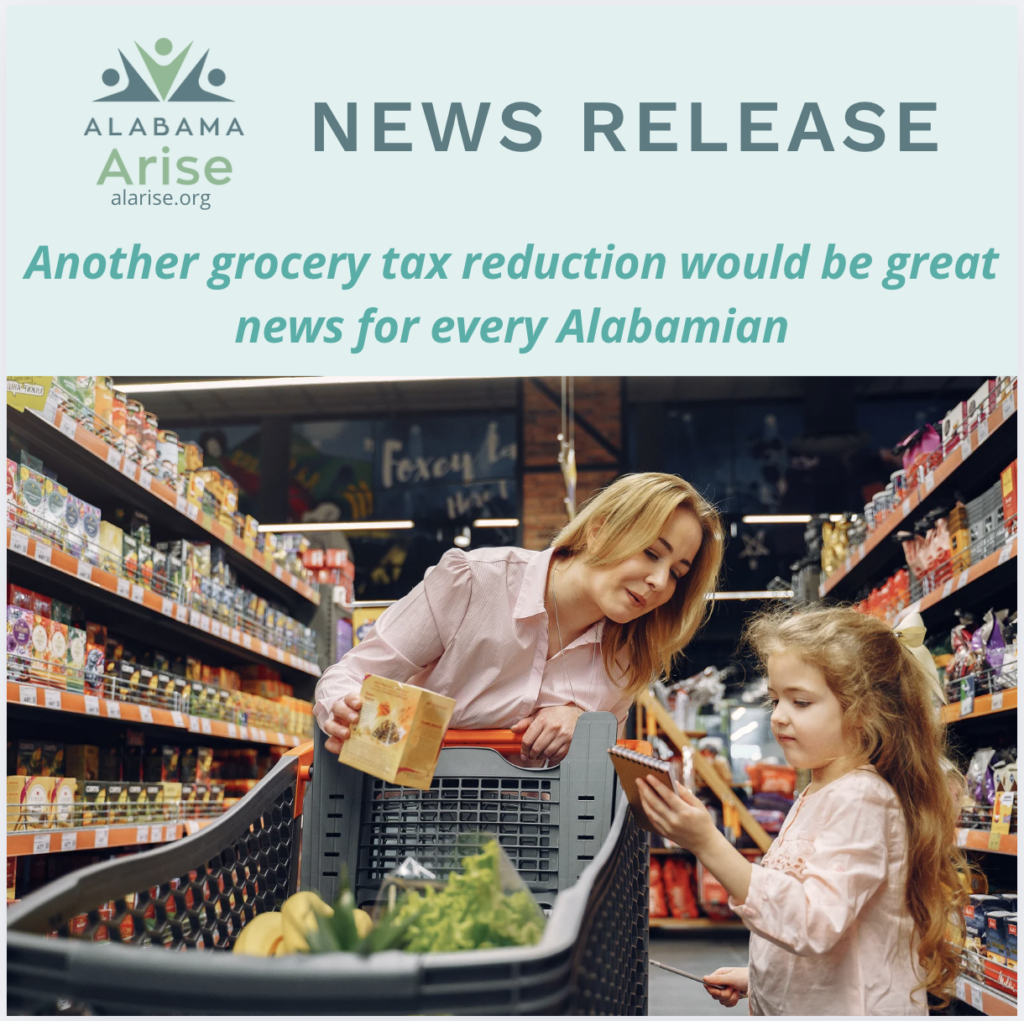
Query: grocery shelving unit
96, 471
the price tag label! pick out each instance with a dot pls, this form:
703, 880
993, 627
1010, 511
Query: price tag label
124, 588
177, 719
983, 430
280, 738
138, 593
92, 705
232, 730
128, 468
846, 564
965, 448
68, 426
997, 701
293, 581
993, 841
145, 714
977, 997
84, 570
1008, 408
243, 733
142, 835
965, 576
236, 635
193, 618
114, 458
19, 543
193, 724
280, 655
206, 727
961, 990
947, 587
215, 627
204, 622
102, 837
264, 648
53, 698
929, 481
180, 613
247, 641
166, 606
27, 694
41, 843
68, 841
192, 511
145, 479
113, 709
967, 706
156, 834
1004, 553
905, 508
180, 504
277, 571
44, 554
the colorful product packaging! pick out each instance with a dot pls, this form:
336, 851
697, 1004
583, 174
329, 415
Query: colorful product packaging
136, 802
31, 500
111, 542
95, 661
29, 758
110, 763
82, 761
76, 660
12, 493
54, 510
117, 802
95, 811
1008, 480
172, 800
20, 622
91, 526
29, 802
63, 802
161, 764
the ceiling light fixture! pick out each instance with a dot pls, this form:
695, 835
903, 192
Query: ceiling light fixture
765, 594
340, 526
496, 523
784, 519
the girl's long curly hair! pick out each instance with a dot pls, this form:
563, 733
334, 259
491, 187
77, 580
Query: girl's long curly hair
888, 707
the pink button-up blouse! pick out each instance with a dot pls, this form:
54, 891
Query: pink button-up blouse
475, 629
830, 930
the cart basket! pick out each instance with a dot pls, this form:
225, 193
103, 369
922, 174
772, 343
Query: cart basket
197, 894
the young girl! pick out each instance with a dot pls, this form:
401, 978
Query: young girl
852, 906
529, 640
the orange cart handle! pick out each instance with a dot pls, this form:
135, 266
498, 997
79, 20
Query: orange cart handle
506, 741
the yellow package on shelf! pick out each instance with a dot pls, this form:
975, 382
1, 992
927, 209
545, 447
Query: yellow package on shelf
399, 733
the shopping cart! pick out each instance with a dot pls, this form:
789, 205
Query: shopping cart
579, 852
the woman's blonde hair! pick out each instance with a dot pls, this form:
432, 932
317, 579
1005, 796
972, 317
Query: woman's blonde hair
887, 699
621, 521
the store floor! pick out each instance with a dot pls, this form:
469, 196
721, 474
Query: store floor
701, 954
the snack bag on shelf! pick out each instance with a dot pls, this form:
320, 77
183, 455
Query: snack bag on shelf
678, 879
658, 907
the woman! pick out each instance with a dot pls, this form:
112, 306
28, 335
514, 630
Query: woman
529, 640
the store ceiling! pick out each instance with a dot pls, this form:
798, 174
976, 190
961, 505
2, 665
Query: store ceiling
352, 400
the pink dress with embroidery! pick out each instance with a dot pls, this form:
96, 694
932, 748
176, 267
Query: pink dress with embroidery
830, 932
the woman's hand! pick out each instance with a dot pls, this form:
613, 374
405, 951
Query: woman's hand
728, 985
344, 716
680, 817
547, 733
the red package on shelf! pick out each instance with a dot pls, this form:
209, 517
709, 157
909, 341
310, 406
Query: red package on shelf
678, 881
658, 908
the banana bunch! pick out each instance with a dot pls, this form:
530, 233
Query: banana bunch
288, 931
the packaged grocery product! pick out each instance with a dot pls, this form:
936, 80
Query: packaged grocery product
1008, 480
12, 493
678, 880
95, 668
978, 404
399, 733
188, 765
975, 913
954, 426
130, 556
204, 764
81, 394
76, 660
54, 510
117, 802
63, 802
995, 935
172, 800
82, 761
111, 543
12, 879
187, 802
53, 759
23, 598
31, 500
20, 622
29, 758
161, 764
201, 802
110, 763
135, 802
103, 398
29, 802
132, 760
95, 811
658, 907
154, 802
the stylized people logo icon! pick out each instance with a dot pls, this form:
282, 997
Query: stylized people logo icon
164, 75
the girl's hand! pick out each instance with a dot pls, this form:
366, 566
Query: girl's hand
547, 733
680, 817
728, 985
344, 716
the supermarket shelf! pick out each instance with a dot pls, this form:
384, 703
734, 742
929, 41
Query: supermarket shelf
920, 493
111, 709
694, 923
47, 558
983, 840
67, 440
957, 583
984, 705
985, 998
89, 838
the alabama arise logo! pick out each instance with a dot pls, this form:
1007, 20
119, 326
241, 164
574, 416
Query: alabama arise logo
163, 74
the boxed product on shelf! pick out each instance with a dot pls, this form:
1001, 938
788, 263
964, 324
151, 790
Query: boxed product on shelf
117, 802
54, 510
82, 761
995, 935
12, 493
1008, 484
135, 802
12, 880
93, 802
110, 763
30, 499
76, 660
63, 799
111, 546
172, 799
132, 759
29, 802
20, 622
154, 796
161, 764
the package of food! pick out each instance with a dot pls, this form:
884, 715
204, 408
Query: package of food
82, 761
94, 803
20, 622
54, 510
110, 763
132, 759
658, 907
161, 764
399, 733
12, 493
63, 802
29, 758
29, 802
111, 542
31, 500
117, 802
172, 800
678, 880
204, 764
53, 759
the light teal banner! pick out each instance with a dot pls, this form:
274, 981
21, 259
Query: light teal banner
790, 190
